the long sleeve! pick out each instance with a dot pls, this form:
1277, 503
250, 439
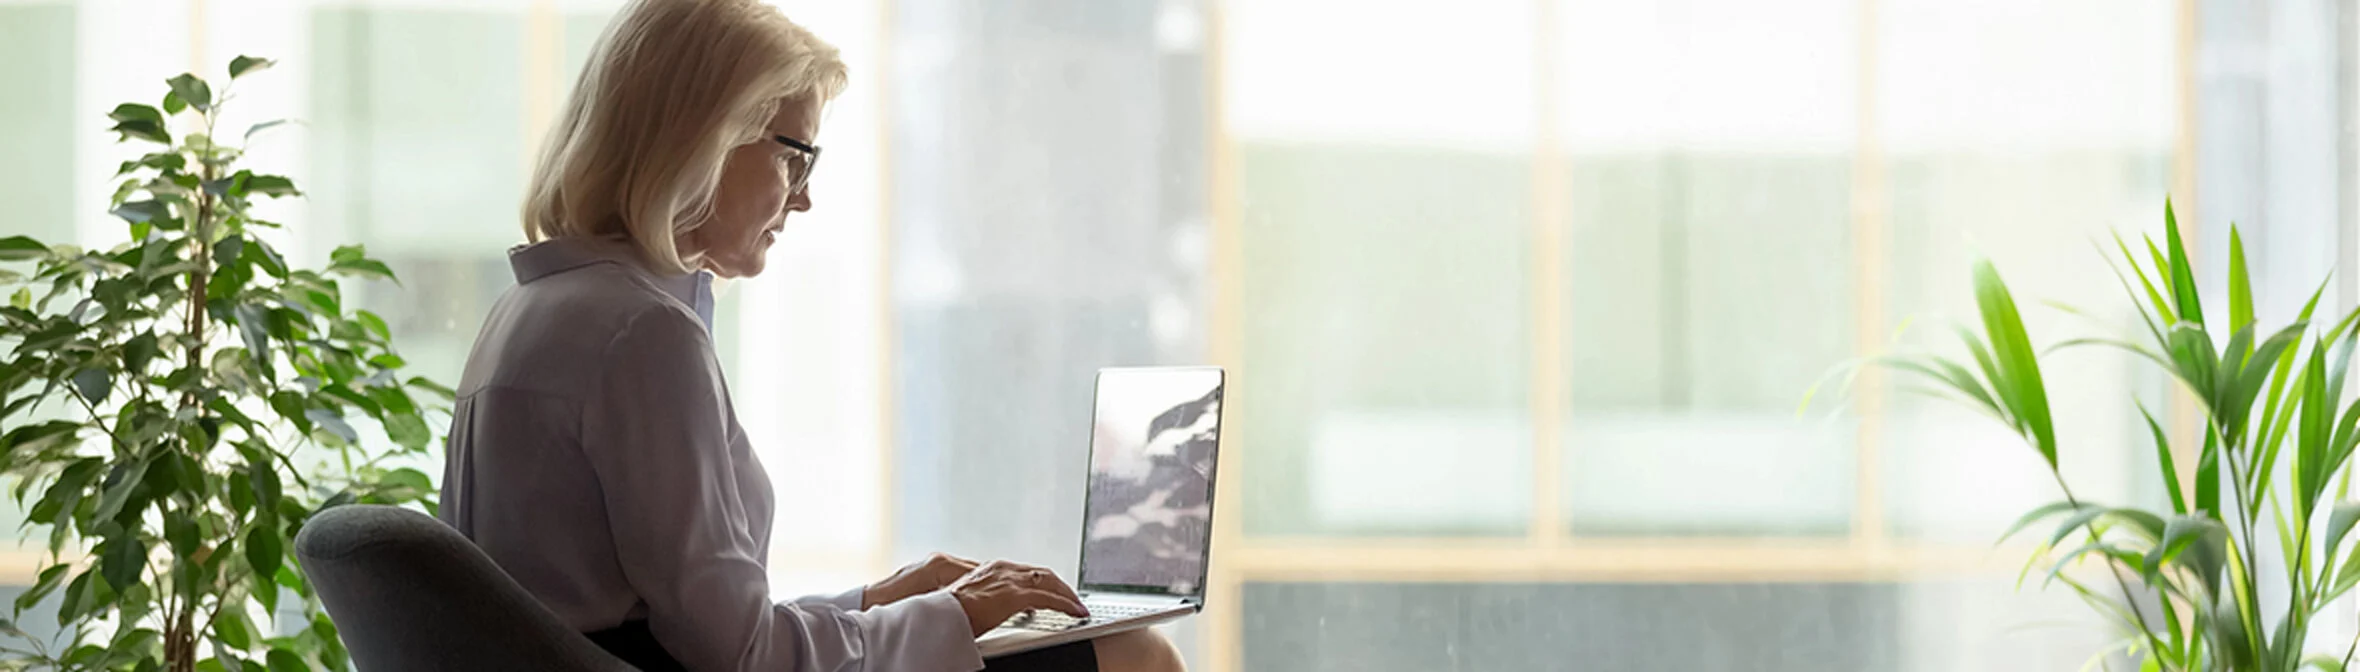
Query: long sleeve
847, 600
658, 434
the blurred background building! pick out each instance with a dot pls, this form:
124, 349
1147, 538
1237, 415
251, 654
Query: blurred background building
1519, 297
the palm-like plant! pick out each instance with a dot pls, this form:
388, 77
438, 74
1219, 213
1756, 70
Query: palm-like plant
2197, 603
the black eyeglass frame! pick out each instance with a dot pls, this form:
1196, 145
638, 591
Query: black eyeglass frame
812, 166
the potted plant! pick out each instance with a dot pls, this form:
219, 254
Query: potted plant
2278, 431
172, 410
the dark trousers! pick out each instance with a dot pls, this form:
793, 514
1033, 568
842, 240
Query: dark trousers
636, 644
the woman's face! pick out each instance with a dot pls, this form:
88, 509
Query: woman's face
751, 204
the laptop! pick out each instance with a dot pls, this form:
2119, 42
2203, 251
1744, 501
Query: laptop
1147, 520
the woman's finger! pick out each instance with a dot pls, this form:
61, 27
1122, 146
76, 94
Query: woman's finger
1050, 582
1043, 599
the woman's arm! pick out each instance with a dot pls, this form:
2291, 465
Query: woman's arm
657, 434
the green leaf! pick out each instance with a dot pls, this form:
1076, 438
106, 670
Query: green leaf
408, 430
2163, 458
86, 594
121, 559
134, 120
254, 325
2240, 286
375, 324
22, 248
263, 476
264, 126
2194, 360
333, 423
2340, 523
2067, 559
93, 384
264, 549
2183, 277
366, 268
65, 493
271, 185
2311, 438
37, 437
241, 492
2019, 381
228, 249
142, 130
120, 485
173, 104
2162, 307
44, 585
193, 91
422, 383
245, 65
409, 478
2075, 522
138, 352
2244, 382
142, 211
234, 629
2208, 477
282, 660
140, 644
180, 531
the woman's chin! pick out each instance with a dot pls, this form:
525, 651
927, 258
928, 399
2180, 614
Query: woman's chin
740, 266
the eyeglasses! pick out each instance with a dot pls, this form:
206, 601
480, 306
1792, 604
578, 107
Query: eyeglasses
798, 164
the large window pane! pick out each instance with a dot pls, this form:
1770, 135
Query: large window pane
1042, 227
36, 184
1384, 234
37, 67
430, 186
1385, 341
1707, 275
2029, 155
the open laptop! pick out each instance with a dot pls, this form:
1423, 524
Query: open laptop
1147, 521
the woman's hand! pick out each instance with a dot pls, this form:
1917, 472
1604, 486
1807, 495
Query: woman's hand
1000, 590
921, 577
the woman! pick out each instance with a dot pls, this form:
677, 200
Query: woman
594, 452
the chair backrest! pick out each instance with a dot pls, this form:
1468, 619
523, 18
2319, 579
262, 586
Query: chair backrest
409, 593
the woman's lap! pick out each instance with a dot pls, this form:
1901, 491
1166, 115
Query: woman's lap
635, 644
1075, 657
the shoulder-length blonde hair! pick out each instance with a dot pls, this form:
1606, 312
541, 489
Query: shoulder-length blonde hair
671, 88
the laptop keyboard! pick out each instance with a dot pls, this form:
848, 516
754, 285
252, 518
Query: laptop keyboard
1050, 621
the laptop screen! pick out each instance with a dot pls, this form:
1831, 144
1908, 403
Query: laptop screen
1149, 516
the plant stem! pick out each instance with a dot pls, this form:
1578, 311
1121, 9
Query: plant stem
2355, 646
2129, 599
102, 422
2245, 516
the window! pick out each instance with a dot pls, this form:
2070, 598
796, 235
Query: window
1518, 298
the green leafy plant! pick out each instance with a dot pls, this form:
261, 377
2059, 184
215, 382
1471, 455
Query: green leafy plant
172, 410
2277, 434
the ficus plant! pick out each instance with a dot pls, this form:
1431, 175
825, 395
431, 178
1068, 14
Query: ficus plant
175, 406
2276, 434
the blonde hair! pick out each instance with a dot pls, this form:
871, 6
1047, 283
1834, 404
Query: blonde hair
671, 88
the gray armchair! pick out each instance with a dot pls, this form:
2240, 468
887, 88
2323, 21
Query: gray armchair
409, 593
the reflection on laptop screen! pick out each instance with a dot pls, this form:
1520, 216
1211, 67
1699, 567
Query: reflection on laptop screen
1152, 442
